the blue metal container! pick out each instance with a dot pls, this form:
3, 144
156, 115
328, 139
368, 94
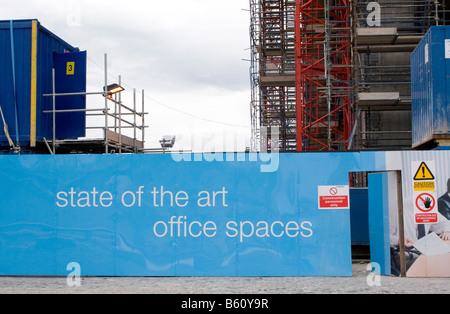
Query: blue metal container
430, 80
27, 52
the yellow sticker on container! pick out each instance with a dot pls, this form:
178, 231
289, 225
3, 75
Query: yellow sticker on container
70, 68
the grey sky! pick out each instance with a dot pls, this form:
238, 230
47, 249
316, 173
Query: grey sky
186, 55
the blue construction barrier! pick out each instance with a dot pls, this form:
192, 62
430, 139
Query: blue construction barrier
164, 215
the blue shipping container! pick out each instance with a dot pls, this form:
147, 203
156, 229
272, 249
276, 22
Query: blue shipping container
430, 79
27, 52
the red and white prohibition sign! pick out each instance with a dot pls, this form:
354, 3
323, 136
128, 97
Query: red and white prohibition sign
425, 202
425, 210
334, 197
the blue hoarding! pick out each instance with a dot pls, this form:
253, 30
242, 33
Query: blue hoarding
186, 215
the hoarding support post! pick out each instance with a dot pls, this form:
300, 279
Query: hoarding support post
401, 225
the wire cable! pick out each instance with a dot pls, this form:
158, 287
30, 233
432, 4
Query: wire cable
172, 108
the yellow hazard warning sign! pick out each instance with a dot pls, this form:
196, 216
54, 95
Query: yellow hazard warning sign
424, 173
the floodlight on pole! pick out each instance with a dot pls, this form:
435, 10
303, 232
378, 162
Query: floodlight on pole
167, 141
114, 89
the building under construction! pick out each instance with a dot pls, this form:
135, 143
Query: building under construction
335, 75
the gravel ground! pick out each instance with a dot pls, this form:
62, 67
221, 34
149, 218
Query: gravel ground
259, 285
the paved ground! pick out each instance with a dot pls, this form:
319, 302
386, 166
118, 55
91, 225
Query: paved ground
290, 285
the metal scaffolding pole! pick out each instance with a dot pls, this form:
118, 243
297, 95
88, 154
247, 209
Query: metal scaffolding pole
106, 105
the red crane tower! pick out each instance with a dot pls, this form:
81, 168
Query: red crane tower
323, 51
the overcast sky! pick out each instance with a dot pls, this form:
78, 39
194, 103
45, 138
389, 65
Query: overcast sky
186, 55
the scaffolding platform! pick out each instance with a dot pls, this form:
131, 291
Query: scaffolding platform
279, 80
383, 101
116, 143
384, 39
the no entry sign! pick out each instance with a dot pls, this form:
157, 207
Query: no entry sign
425, 208
425, 202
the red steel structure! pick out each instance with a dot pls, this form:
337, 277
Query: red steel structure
324, 97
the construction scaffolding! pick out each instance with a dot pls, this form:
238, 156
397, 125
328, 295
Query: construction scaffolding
334, 75
114, 119
273, 73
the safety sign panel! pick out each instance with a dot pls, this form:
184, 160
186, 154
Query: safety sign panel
425, 208
425, 195
334, 197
